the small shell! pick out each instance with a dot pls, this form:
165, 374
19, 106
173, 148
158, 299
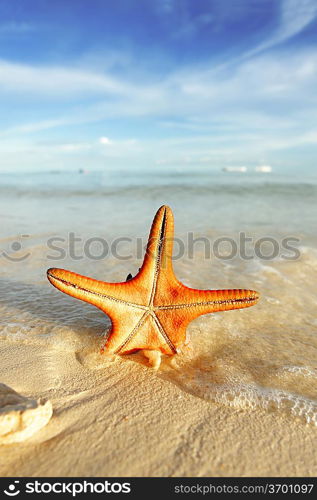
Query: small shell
21, 417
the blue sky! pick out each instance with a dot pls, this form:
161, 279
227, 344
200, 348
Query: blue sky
158, 84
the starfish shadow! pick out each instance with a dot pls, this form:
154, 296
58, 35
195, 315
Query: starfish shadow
43, 303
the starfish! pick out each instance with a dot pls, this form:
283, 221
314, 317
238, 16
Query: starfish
151, 310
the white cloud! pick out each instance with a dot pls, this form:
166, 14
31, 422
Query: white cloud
105, 140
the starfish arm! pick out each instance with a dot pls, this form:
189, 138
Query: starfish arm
157, 266
104, 295
175, 317
208, 301
126, 317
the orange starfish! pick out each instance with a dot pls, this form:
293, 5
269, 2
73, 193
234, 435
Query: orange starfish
152, 310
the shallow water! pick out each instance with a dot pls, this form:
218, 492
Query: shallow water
263, 356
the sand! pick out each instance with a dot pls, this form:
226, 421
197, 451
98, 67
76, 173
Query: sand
121, 418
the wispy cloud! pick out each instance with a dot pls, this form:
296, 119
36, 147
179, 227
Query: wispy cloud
15, 28
29, 128
164, 7
191, 26
56, 80
72, 147
260, 94
258, 102
294, 16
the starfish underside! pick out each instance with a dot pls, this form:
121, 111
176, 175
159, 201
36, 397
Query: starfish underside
152, 310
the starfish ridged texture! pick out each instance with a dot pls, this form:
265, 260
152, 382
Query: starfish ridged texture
152, 310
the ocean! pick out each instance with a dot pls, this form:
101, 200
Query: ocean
232, 231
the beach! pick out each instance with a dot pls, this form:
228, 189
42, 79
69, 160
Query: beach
125, 420
239, 400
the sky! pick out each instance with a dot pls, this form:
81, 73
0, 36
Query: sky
158, 84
